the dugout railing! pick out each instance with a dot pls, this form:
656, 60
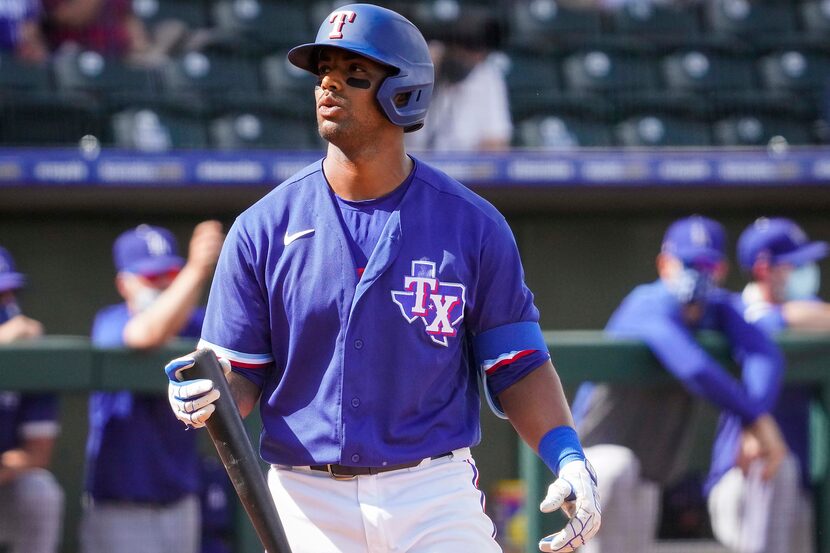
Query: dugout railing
70, 365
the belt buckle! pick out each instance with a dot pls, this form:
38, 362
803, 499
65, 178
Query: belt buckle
342, 477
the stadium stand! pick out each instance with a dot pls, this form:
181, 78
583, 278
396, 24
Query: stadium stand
565, 132
569, 65
211, 81
191, 13
261, 26
110, 82
759, 130
149, 130
654, 131
243, 131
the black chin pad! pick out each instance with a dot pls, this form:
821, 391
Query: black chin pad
358, 83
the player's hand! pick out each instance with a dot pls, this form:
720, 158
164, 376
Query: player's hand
191, 400
205, 245
575, 492
773, 448
749, 451
20, 327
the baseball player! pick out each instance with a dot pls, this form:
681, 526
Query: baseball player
639, 437
782, 294
31, 500
142, 471
359, 302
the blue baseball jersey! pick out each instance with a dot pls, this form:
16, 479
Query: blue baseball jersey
381, 368
136, 448
792, 412
26, 416
652, 314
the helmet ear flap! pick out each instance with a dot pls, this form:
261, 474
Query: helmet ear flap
404, 104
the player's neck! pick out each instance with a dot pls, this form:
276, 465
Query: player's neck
366, 175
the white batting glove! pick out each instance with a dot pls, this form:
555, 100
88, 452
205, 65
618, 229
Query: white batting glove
575, 492
191, 400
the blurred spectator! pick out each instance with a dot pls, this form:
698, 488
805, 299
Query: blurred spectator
31, 500
611, 5
781, 294
20, 30
469, 110
108, 27
142, 467
639, 438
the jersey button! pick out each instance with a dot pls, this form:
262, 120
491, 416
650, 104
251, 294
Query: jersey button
355, 458
355, 402
358, 344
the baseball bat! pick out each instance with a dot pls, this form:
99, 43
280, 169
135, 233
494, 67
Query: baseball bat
228, 435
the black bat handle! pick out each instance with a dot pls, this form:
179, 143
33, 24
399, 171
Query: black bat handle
228, 435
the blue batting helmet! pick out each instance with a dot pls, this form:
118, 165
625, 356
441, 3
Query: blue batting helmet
389, 39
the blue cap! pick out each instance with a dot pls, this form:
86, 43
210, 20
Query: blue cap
695, 239
146, 250
10, 279
780, 240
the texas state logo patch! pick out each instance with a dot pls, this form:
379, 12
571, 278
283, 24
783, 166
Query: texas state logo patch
438, 305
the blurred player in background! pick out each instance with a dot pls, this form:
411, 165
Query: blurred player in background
359, 301
782, 294
639, 438
470, 109
20, 33
142, 480
31, 500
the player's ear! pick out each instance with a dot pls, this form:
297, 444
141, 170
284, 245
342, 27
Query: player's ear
662, 263
402, 99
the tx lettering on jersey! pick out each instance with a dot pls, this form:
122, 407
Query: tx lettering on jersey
439, 305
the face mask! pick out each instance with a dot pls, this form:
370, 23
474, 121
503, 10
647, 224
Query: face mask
145, 297
690, 285
803, 283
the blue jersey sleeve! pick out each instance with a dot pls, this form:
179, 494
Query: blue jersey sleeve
237, 322
762, 363
39, 416
675, 347
507, 338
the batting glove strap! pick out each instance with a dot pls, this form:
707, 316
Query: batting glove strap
192, 400
575, 492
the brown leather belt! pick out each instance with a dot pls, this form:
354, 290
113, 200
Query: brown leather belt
343, 472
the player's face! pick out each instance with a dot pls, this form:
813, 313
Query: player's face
346, 105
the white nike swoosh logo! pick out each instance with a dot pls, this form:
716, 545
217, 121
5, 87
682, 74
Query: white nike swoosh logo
288, 238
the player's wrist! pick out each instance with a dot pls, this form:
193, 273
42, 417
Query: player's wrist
560, 446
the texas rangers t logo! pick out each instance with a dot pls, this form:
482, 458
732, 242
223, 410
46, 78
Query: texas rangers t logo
439, 305
338, 19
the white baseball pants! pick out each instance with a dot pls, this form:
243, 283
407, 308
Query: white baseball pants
751, 516
434, 507
31, 513
630, 504
108, 527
